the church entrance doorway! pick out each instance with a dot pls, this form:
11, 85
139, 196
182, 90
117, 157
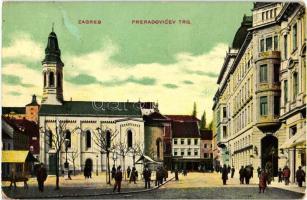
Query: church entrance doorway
269, 153
89, 164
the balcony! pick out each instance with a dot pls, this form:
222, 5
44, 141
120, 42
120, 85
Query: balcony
269, 55
268, 123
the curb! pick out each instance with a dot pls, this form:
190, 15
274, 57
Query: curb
97, 194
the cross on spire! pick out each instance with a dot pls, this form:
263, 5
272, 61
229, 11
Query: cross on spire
52, 26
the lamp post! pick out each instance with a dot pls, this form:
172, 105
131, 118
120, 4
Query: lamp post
66, 164
96, 165
273, 152
114, 158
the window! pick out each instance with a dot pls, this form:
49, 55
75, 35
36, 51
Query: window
129, 138
285, 91
45, 79
195, 152
276, 72
262, 17
195, 141
51, 79
224, 112
211, 146
268, 42
175, 141
224, 132
285, 47
275, 42
182, 152
68, 138
205, 146
261, 45
189, 141
88, 139
295, 85
294, 37
263, 105
59, 82
276, 105
205, 155
50, 135
182, 141
263, 73
158, 143
175, 152
108, 139
189, 152
271, 13
293, 130
211, 155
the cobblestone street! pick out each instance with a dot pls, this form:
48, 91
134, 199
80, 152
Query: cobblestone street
195, 185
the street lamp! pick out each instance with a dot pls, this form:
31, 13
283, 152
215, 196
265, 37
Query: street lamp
114, 157
66, 164
96, 165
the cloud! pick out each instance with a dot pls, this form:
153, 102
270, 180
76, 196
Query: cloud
13, 93
22, 46
170, 85
14, 80
97, 76
188, 82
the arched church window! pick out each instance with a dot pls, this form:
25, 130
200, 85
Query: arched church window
158, 143
108, 139
50, 135
129, 138
68, 138
51, 79
59, 82
45, 79
88, 139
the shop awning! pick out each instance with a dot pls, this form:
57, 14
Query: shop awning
294, 141
15, 156
147, 159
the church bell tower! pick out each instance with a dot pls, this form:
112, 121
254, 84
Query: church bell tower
52, 72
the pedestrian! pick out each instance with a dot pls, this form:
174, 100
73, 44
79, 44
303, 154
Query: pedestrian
262, 181
300, 176
133, 175
176, 175
269, 172
224, 174
113, 172
128, 171
286, 173
85, 172
159, 174
242, 174
41, 177
252, 168
247, 174
147, 177
280, 175
118, 179
259, 171
232, 171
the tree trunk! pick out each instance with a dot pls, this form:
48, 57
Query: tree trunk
74, 167
57, 187
133, 160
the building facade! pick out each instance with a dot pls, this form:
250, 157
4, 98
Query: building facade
260, 109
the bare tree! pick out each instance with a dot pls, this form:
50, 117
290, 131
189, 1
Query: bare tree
137, 150
103, 139
74, 154
56, 141
122, 149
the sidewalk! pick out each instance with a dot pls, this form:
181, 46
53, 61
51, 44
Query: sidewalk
78, 186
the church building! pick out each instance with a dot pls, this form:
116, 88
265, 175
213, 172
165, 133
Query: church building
88, 126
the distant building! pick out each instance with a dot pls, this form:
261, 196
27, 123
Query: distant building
29, 112
206, 149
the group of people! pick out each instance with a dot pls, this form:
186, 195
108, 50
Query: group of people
284, 175
246, 173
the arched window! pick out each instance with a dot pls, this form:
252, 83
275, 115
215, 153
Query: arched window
108, 139
88, 139
45, 79
50, 138
158, 143
59, 82
295, 85
68, 137
129, 138
51, 79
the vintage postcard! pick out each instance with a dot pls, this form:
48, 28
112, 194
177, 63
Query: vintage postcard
153, 100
